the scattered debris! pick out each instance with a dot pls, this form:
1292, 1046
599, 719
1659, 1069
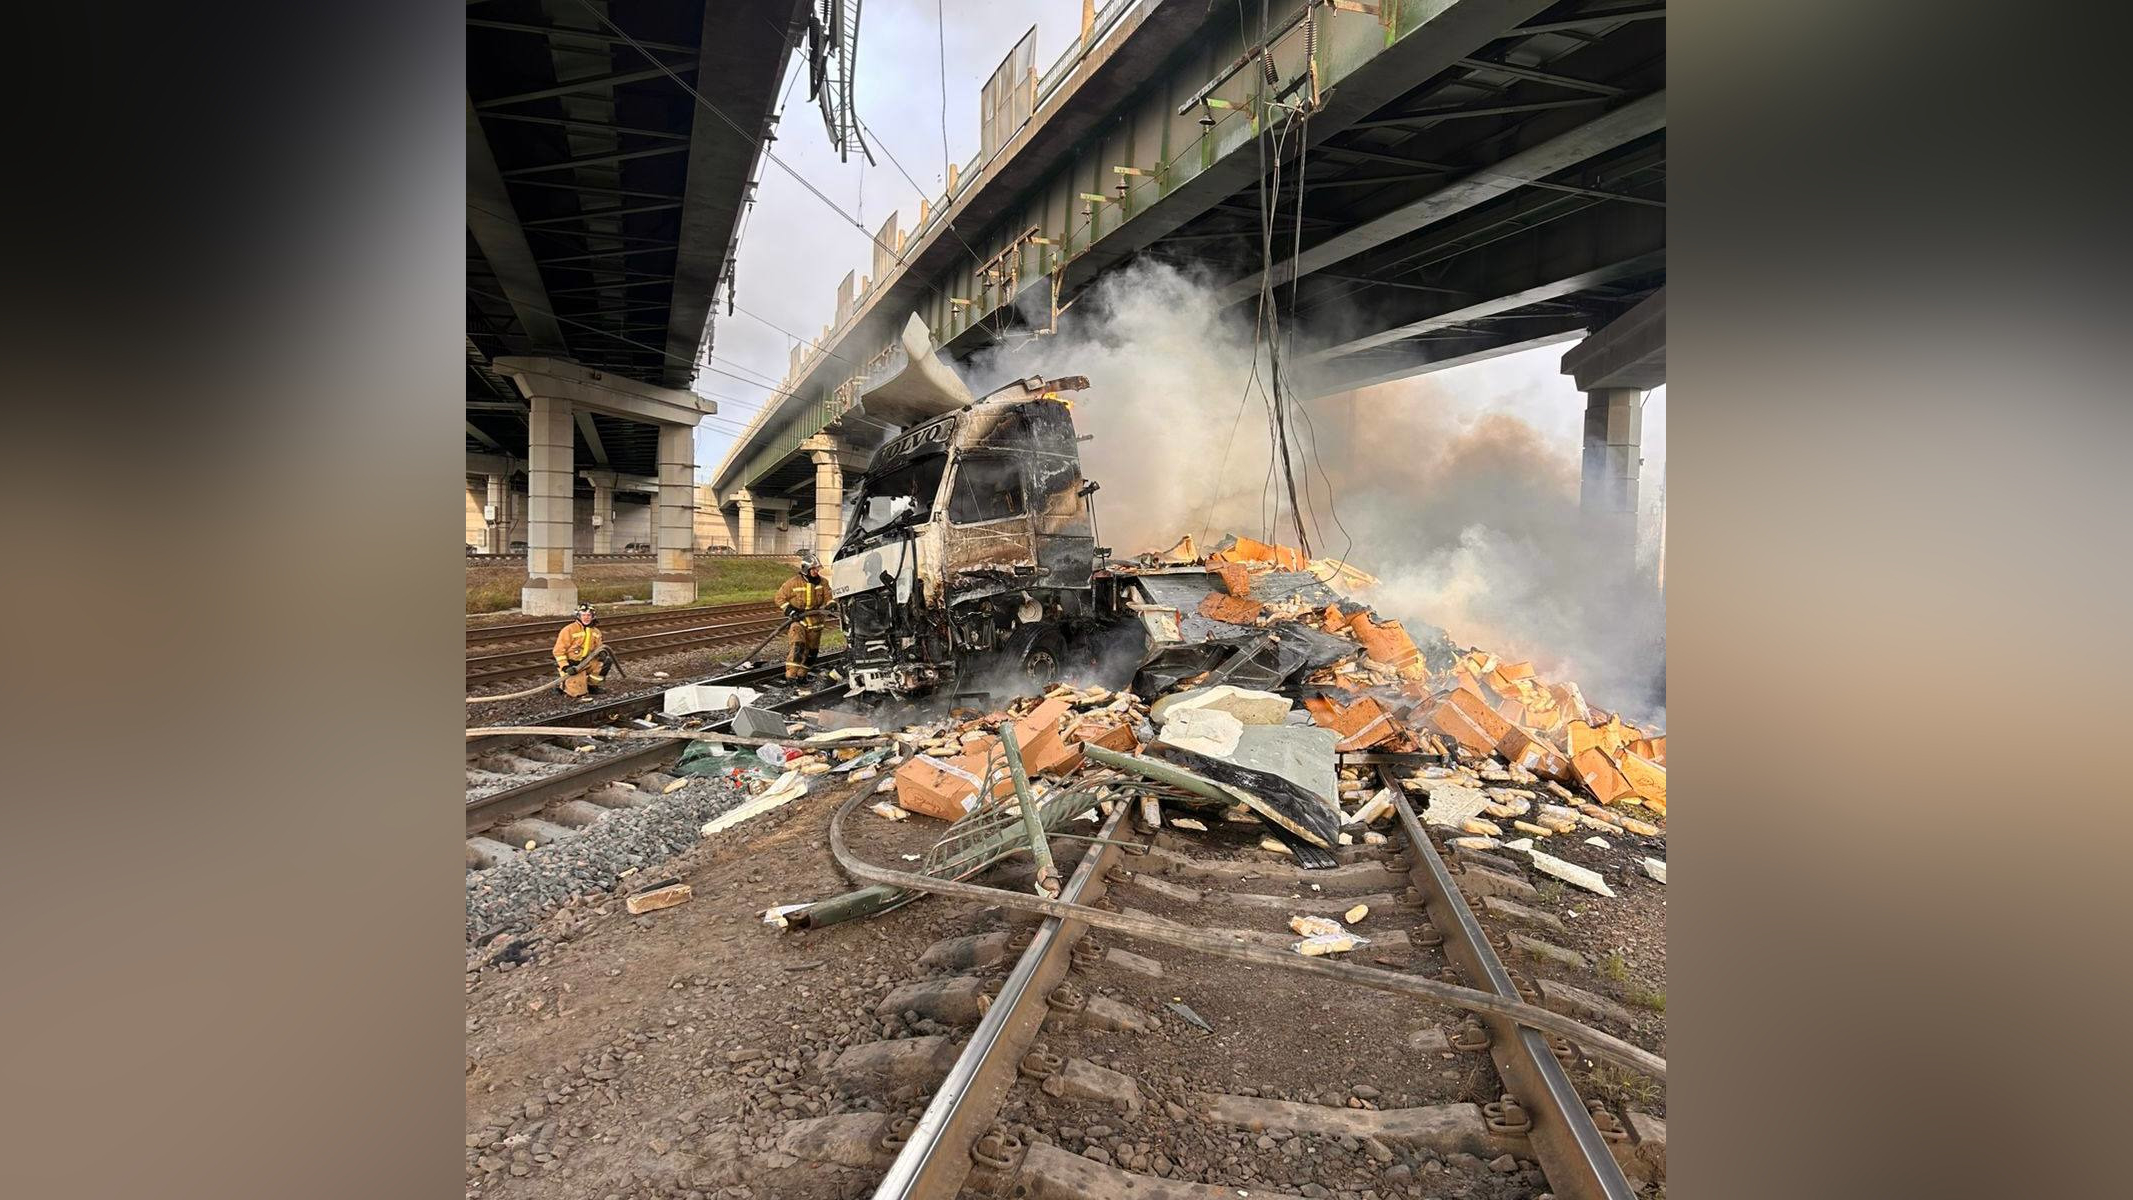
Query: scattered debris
666, 896
1184, 1010
1570, 873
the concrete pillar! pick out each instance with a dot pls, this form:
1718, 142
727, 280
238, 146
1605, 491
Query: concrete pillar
603, 515
551, 586
745, 502
829, 504
674, 518
1614, 429
497, 513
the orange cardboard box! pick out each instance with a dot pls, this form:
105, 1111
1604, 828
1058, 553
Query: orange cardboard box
1362, 724
1651, 748
1600, 776
1534, 755
1108, 732
947, 788
1453, 722
1388, 643
937, 787
1647, 780
1483, 717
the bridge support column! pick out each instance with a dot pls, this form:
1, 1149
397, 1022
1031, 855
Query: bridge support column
744, 541
829, 503
674, 518
497, 528
603, 515
1614, 435
551, 585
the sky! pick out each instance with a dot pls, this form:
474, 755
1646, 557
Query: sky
794, 248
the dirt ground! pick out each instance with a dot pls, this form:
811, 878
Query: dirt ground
661, 1055
621, 1057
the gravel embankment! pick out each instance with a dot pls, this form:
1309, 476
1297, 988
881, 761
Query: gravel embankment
510, 897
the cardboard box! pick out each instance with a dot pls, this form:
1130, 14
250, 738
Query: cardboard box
1109, 732
1647, 780
945, 789
1523, 749
1451, 721
1483, 717
1600, 776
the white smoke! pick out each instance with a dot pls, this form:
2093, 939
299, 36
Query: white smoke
1468, 515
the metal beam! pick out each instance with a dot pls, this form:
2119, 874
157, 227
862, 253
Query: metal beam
1578, 253
1539, 76
474, 432
577, 258
1421, 356
592, 436
594, 160
1603, 133
586, 84
608, 287
1588, 20
586, 35
588, 126
1427, 48
745, 52
502, 239
1430, 116
593, 189
597, 213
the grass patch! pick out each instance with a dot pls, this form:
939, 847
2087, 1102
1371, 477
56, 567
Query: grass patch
1550, 890
1613, 966
1648, 998
1623, 1087
728, 581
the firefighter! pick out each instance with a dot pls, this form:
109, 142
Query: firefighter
575, 643
804, 597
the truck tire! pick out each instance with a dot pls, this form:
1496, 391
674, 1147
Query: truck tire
1038, 653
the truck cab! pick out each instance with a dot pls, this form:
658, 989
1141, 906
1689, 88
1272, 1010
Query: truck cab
969, 549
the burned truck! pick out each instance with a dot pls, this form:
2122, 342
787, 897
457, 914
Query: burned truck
969, 560
968, 551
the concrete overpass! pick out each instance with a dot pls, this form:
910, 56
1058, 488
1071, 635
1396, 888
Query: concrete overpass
1483, 176
603, 200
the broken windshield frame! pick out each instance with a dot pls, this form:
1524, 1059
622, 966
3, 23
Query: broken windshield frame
901, 496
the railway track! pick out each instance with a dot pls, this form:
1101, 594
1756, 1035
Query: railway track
1090, 1071
542, 632
662, 633
512, 779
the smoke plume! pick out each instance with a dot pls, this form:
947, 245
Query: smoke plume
1468, 515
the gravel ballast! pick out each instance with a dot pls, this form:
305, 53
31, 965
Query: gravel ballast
510, 897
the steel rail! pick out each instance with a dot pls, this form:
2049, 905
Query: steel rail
511, 664
644, 705
935, 1159
503, 807
1571, 1152
546, 630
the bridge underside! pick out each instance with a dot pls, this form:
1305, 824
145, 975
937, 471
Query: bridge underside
611, 150
1490, 180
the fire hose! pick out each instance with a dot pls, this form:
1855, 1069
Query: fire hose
579, 668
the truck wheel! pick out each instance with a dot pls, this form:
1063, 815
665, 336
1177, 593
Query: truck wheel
1039, 653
